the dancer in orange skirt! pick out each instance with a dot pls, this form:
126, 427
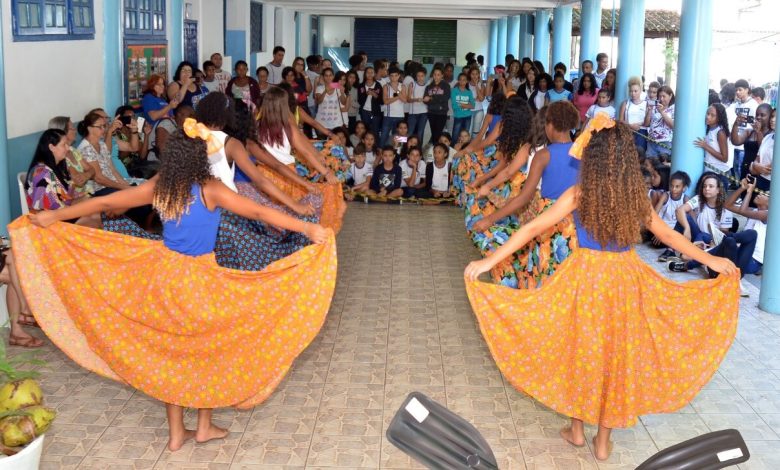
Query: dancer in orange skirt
608, 339
163, 317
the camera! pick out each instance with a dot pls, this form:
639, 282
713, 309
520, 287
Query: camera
652, 102
751, 119
395, 95
126, 120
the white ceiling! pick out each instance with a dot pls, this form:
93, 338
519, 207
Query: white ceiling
460, 9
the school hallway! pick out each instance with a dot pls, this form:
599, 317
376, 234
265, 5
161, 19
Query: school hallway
400, 321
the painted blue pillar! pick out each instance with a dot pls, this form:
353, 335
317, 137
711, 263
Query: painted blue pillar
561, 50
513, 36
501, 44
492, 47
176, 38
5, 189
542, 37
526, 36
590, 30
113, 55
691, 99
769, 300
631, 46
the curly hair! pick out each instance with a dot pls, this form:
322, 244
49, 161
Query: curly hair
720, 200
183, 162
216, 110
515, 126
538, 136
612, 202
497, 102
563, 116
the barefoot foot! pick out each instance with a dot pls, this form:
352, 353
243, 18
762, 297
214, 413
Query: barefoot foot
568, 435
175, 442
213, 432
602, 451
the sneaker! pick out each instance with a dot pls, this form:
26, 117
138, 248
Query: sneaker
677, 265
666, 256
742, 290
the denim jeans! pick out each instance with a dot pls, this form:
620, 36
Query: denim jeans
459, 124
388, 126
654, 150
738, 247
736, 168
416, 123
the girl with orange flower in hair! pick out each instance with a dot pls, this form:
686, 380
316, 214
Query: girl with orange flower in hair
605, 340
163, 317
557, 171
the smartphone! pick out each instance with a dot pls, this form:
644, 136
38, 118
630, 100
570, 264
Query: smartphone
126, 120
402, 139
652, 102
751, 119
750, 179
335, 85
140, 121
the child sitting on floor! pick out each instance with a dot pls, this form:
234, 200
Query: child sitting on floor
360, 171
667, 206
413, 173
437, 173
373, 153
387, 177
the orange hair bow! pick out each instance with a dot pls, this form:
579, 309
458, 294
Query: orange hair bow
197, 130
600, 121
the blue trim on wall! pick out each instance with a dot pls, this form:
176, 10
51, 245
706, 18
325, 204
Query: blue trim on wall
5, 190
235, 40
176, 39
113, 55
20, 152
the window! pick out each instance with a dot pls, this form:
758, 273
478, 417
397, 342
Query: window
50, 20
144, 18
256, 27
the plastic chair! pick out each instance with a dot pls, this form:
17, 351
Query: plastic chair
438, 438
21, 179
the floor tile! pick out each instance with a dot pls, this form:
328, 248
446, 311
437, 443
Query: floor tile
344, 451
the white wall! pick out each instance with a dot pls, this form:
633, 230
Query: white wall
405, 35
335, 29
50, 78
211, 30
473, 36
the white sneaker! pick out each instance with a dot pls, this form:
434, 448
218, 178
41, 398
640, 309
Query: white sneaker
742, 290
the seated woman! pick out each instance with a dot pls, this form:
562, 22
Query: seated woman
757, 218
48, 183
183, 88
18, 310
128, 148
81, 173
154, 104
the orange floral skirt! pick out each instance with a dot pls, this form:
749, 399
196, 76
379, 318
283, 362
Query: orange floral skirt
180, 329
333, 204
608, 339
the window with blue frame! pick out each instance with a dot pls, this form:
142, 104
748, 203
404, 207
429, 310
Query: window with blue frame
52, 20
144, 19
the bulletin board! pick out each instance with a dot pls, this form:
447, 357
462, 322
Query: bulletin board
143, 60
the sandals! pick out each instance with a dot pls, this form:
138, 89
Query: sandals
28, 320
28, 342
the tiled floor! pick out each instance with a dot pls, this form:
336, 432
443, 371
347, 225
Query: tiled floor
400, 321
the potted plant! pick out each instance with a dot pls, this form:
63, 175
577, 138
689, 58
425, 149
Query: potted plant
23, 417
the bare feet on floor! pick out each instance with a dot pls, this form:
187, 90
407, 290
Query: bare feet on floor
175, 442
568, 435
213, 432
602, 448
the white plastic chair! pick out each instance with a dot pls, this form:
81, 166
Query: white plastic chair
21, 178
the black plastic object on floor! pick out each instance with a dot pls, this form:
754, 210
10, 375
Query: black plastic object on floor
438, 438
711, 451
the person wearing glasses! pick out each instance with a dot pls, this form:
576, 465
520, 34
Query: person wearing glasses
93, 148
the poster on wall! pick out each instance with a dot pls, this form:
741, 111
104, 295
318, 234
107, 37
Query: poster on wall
143, 60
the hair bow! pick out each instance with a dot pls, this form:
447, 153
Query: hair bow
600, 121
197, 130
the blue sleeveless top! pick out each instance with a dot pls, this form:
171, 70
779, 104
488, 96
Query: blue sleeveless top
196, 233
584, 240
241, 177
493, 123
561, 173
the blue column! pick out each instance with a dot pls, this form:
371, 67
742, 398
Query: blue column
590, 30
5, 188
631, 46
113, 55
693, 65
501, 44
526, 36
176, 37
492, 46
542, 37
561, 50
513, 36
769, 300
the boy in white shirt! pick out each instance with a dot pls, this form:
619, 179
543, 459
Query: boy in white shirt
602, 106
413, 173
744, 105
668, 204
360, 172
220, 75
